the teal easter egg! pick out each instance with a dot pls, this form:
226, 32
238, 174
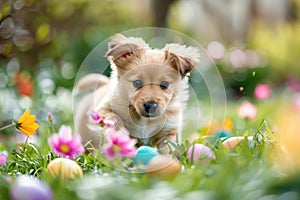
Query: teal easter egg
223, 135
144, 154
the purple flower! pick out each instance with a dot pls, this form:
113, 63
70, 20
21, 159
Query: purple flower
3, 158
50, 118
262, 91
119, 145
100, 120
247, 110
64, 144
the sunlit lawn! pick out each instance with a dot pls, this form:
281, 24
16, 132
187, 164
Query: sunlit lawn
245, 172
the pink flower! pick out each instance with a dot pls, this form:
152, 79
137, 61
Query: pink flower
64, 144
238, 58
100, 120
293, 83
247, 110
50, 118
3, 158
119, 145
262, 91
216, 50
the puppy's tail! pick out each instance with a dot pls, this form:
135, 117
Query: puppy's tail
90, 81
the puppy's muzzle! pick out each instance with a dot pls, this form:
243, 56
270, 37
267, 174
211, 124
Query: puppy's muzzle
150, 109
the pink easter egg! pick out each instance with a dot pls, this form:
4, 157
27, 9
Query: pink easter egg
200, 152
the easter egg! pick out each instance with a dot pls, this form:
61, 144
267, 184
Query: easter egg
232, 142
223, 135
164, 167
200, 152
144, 154
30, 188
63, 168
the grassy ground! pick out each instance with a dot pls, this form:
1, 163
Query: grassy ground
246, 172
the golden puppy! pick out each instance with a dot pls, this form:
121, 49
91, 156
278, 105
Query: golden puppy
145, 93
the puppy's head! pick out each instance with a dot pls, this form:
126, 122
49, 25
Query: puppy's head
149, 78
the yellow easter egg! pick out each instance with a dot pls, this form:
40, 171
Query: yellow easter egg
63, 169
163, 167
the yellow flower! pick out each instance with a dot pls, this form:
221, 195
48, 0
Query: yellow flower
214, 126
26, 123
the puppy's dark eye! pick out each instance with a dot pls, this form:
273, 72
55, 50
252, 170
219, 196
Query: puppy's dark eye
138, 84
164, 85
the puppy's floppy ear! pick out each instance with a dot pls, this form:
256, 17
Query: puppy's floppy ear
121, 47
183, 59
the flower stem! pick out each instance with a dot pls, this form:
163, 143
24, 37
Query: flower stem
26, 140
7, 126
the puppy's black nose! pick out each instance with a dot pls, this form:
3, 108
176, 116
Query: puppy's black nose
150, 107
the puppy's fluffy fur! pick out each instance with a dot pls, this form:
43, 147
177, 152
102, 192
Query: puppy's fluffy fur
145, 93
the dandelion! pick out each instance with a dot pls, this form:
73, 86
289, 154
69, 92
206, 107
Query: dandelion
119, 145
64, 144
3, 158
247, 110
262, 91
100, 120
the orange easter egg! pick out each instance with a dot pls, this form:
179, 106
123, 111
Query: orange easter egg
232, 142
63, 169
163, 167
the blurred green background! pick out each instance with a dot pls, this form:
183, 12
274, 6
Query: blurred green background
43, 43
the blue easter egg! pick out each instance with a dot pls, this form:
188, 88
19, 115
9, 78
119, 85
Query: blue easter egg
30, 188
144, 154
223, 135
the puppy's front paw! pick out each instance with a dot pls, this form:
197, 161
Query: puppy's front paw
160, 140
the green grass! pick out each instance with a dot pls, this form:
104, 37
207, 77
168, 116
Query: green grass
243, 173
